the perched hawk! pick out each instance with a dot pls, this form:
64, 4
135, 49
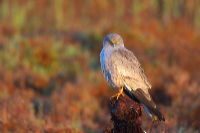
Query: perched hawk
121, 69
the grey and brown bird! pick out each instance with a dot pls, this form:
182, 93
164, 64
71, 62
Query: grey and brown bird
121, 69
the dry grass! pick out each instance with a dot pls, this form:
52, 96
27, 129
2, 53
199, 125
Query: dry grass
50, 76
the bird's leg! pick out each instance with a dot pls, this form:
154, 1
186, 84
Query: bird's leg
120, 92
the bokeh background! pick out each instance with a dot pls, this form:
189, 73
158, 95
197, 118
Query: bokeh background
50, 75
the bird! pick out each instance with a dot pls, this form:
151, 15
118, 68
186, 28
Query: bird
122, 70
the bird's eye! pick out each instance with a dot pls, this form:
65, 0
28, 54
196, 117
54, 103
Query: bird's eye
109, 41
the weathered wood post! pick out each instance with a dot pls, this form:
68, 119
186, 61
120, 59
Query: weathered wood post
125, 115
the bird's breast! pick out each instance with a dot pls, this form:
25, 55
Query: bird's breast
109, 69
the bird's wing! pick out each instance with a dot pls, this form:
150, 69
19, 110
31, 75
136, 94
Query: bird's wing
135, 80
130, 68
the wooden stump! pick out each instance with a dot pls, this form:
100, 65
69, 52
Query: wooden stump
125, 116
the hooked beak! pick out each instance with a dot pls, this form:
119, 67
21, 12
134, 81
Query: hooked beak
113, 43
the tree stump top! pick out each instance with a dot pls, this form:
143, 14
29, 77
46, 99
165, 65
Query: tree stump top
125, 115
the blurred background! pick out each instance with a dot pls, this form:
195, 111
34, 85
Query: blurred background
50, 75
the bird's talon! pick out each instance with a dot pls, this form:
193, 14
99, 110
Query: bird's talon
118, 96
120, 93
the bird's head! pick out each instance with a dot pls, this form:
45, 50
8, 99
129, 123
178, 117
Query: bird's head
113, 40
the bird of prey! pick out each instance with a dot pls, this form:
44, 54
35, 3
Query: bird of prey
121, 69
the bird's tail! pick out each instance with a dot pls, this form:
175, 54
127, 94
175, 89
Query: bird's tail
149, 106
154, 117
